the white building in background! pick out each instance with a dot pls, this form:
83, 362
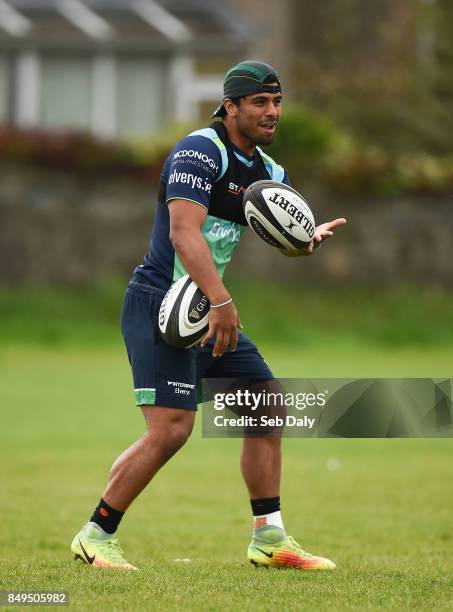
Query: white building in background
117, 68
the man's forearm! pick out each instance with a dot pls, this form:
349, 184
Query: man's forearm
196, 258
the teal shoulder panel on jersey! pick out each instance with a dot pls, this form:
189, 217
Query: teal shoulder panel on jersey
277, 172
212, 135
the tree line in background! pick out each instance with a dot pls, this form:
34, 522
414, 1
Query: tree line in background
309, 144
382, 70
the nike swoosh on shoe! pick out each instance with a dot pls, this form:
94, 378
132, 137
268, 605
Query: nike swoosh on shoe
270, 555
87, 556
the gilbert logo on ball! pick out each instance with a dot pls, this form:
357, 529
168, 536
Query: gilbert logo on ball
184, 314
279, 215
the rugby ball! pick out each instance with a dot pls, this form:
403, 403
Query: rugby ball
184, 314
279, 215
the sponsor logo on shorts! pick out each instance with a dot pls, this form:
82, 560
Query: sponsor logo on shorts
186, 178
180, 388
198, 155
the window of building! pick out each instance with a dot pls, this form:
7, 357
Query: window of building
140, 96
4, 88
66, 92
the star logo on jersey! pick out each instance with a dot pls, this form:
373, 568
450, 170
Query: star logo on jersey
235, 189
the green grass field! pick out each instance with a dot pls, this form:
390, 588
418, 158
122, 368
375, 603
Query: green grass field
384, 515
67, 410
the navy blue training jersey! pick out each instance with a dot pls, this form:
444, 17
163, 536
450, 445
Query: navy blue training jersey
205, 168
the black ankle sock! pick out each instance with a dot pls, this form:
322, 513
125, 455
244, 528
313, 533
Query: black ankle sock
107, 517
265, 506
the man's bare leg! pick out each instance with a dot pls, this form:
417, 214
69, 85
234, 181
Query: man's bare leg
167, 431
261, 466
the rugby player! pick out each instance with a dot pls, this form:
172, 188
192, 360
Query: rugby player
198, 224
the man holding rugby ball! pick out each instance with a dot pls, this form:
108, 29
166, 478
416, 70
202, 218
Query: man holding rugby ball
198, 223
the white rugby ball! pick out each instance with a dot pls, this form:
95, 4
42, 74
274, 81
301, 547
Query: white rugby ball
279, 215
184, 314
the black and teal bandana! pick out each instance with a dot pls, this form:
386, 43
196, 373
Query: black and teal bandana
245, 79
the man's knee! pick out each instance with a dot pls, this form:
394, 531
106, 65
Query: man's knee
169, 427
269, 443
178, 432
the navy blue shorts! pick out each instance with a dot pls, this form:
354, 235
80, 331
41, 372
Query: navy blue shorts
164, 376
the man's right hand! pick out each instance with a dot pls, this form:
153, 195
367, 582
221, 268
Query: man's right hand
223, 324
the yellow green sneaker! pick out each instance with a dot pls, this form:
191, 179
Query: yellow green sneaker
272, 547
99, 549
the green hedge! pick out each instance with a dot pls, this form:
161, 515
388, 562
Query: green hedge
308, 144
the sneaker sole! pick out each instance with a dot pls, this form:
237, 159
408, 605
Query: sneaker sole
103, 565
289, 561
